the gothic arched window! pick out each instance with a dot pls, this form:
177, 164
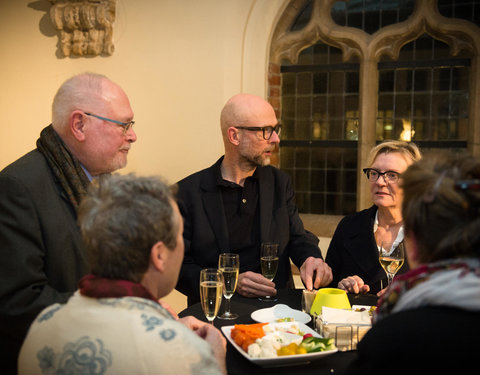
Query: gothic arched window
346, 75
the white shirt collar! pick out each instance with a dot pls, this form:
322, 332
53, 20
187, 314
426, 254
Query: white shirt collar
400, 234
89, 176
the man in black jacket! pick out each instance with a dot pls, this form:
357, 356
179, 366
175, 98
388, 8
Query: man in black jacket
240, 202
41, 247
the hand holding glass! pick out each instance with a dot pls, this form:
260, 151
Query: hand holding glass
229, 265
269, 263
391, 258
210, 292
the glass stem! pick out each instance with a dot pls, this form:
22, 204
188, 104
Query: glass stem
390, 278
227, 306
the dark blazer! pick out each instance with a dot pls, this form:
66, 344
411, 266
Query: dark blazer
41, 250
353, 251
424, 340
206, 232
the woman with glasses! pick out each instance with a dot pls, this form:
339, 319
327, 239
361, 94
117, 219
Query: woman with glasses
353, 251
427, 320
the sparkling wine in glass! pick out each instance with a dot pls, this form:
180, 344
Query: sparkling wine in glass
391, 257
269, 264
229, 264
210, 292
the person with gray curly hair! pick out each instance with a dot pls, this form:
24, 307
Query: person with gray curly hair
132, 230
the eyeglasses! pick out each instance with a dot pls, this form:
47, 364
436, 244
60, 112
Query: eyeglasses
267, 130
388, 176
126, 125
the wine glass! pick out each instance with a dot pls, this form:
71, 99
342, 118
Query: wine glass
210, 292
229, 264
391, 257
269, 264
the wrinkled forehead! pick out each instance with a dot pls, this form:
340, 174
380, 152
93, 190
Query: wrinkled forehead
393, 160
114, 100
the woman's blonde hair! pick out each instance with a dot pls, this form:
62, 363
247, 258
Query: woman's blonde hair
409, 150
441, 205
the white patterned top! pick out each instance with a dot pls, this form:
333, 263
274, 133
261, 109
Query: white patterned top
128, 335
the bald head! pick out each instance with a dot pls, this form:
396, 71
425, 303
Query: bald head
99, 144
79, 92
246, 110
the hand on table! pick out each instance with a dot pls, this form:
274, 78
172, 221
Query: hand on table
211, 335
315, 266
251, 284
191, 322
382, 292
205, 330
354, 284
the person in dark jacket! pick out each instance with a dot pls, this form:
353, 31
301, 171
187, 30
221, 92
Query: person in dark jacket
42, 252
240, 202
353, 251
427, 320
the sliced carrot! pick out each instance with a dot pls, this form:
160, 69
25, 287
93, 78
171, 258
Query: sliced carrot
246, 334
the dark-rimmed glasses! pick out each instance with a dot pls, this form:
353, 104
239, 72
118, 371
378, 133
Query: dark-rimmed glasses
388, 176
126, 125
267, 131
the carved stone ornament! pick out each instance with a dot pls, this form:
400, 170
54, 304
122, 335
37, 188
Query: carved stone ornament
86, 26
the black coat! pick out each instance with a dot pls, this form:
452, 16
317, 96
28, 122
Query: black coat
353, 251
41, 250
206, 231
425, 340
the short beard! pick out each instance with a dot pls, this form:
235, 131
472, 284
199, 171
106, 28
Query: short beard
259, 161
262, 162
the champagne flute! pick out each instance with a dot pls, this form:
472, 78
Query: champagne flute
391, 257
269, 264
210, 292
229, 264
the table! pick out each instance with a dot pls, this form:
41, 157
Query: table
237, 364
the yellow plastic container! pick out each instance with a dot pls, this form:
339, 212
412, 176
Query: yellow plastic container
330, 297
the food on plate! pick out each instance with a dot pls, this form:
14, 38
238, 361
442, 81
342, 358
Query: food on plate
287, 328
246, 334
317, 344
265, 340
370, 310
291, 349
281, 320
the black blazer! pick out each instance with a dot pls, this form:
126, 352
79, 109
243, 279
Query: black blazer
353, 251
41, 250
206, 232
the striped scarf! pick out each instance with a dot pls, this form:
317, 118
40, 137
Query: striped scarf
64, 165
102, 287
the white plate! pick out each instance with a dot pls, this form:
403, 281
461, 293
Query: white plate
272, 314
283, 360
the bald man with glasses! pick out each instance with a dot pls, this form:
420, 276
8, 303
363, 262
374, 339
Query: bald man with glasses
242, 201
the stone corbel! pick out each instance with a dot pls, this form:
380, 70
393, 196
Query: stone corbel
85, 26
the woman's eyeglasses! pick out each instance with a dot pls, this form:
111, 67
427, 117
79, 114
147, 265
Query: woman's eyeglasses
388, 176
